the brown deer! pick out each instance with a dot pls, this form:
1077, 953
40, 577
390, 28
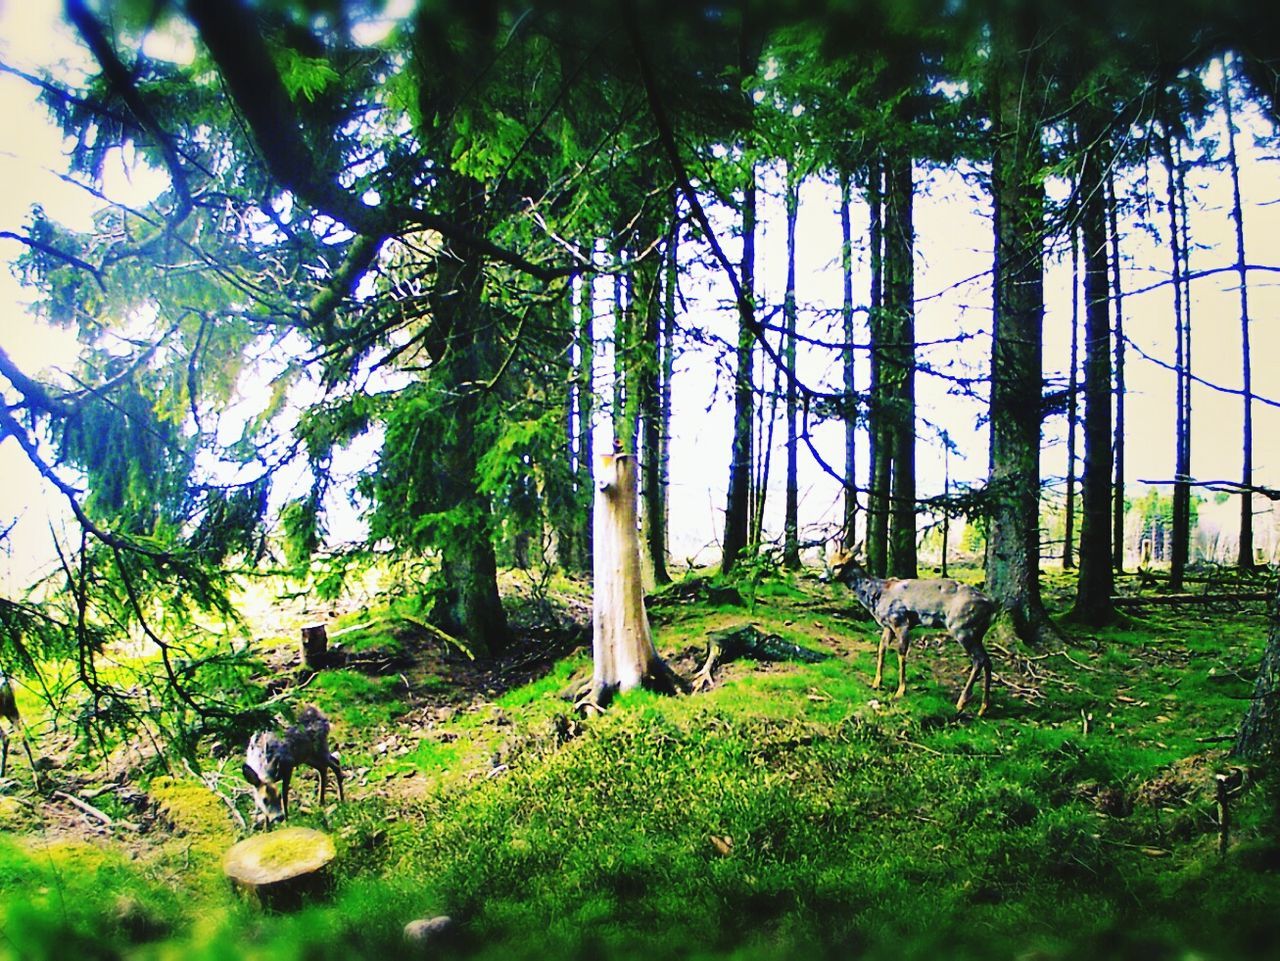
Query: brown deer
270, 759
12, 721
898, 605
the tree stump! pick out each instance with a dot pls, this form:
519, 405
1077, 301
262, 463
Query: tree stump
621, 644
315, 647
281, 869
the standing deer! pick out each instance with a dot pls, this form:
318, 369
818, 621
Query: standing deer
270, 759
899, 605
12, 721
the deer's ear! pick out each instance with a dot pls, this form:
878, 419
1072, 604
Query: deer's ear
251, 776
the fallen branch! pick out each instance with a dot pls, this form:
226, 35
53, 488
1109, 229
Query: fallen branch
92, 811
1170, 599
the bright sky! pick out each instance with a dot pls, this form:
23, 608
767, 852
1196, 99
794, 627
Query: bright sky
953, 243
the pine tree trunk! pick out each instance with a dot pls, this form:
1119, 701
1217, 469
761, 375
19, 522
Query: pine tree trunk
737, 513
899, 257
881, 459
622, 646
791, 516
1097, 581
584, 489
1244, 555
850, 537
1117, 295
1013, 540
1180, 533
468, 604
648, 383
672, 262
1073, 406
1259, 736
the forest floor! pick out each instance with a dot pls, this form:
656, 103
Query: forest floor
788, 811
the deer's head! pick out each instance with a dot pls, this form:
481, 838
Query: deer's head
844, 565
264, 770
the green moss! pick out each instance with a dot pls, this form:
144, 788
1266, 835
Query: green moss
191, 807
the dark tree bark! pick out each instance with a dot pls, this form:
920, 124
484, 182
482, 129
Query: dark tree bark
648, 380
468, 605
1097, 580
850, 369
1013, 540
899, 266
1073, 406
1181, 533
881, 460
1244, 555
737, 513
791, 514
563, 479
672, 281
584, 487
1117, 296
627, 340
1259, 736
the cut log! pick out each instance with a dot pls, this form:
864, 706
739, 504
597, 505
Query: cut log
281, 869
315, 647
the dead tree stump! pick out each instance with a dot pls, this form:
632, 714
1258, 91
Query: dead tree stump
315, 647
281, 869
621, 643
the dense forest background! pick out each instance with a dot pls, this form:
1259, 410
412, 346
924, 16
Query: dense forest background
327, 308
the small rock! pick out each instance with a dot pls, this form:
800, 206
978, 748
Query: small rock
425, 931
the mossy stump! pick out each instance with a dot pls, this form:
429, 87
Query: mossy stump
282, 869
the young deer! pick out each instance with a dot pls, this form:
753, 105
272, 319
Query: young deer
899, 605
270, 760
12, 721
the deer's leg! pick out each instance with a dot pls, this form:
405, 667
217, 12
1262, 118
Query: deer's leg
4, 752
337, 773
986, 684
323, 768
904, 645
284, 793
981, 662
884, 646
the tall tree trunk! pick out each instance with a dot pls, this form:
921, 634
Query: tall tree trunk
1259, 736
791, 515
630, 352
881, 459
585, 490
899, 262
1244, 555
764, 445
649, 400
1097, 581
1181, 534
1184, 468
468, 603
1073, 406
563, 480
1013, 539
737, 512
850, 369
670, 286
1117, 295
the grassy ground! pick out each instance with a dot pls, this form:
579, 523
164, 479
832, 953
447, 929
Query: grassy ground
790, 811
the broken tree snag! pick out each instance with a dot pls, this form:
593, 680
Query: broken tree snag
315, 647
621, 643
281, 868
